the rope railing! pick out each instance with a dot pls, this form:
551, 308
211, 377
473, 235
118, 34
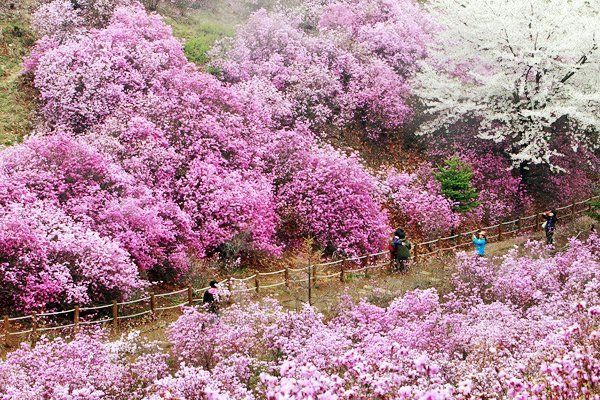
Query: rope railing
260, 280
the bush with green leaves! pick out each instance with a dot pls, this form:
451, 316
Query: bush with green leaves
456, 178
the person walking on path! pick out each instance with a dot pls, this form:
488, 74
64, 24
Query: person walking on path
211, 297
480, 241
549, 225
402, 251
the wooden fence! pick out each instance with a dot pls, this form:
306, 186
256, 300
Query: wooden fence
30, 327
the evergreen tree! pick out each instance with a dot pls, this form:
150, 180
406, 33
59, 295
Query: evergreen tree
456, 178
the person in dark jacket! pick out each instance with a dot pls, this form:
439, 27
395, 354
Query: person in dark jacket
549, 225
402, 252
211, 296
393, 244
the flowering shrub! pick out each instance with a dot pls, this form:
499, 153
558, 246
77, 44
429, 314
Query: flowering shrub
333, 199
226, 203
106, 70
84, 368
86, 185
48, 260
346, 62
531, 336
140, 148
415, 201
501, 192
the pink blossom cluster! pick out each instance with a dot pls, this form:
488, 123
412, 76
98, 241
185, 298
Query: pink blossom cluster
502, 193
86, 368
346, 62
166, 163
416, 202
526, 328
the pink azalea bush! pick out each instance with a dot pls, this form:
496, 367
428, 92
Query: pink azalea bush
104, 70
49, 260
502, 193
526, 328
490, 342
88, 186
345, 62
165, 162
416, 203
327, 185
84, 368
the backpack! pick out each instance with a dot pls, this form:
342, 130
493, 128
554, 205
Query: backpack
403, 250
393, 247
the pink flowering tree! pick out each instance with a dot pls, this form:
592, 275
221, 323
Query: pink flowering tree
346, 62
416, 203
332, 199
49, 261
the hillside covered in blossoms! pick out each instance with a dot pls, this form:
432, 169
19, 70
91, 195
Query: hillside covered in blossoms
158, 141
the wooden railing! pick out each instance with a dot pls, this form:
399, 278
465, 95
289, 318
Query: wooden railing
25, 327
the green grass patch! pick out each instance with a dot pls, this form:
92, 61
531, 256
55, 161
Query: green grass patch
200, 29
16, 97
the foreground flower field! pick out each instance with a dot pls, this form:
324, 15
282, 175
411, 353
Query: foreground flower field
524, 327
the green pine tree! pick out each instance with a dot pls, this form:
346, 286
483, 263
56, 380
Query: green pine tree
456, 178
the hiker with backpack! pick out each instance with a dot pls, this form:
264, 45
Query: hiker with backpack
402, 251
393, 244
480, 241
549, 225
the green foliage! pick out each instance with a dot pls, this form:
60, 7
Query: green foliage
456, 178
16, 98
200, 30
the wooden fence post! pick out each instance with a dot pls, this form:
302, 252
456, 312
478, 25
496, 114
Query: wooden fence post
500, 231
153, 304
76, 318
536, 222
572, 209
309, 278
415, 254
34, 327
190, 294
364, 263
231, 291
286, 276
115, 314
256, 283
519, 225
6, 325
343, 271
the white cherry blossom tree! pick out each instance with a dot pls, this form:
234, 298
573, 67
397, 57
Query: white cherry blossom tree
525, 71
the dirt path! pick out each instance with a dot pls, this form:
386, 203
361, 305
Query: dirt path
380, 287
